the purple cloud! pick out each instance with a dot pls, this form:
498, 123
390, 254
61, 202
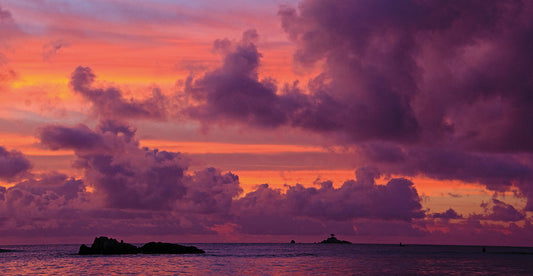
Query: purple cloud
77, 138
420, 88
12, 164
355, 199
413, 67
126, 175
497, 172
210, 192
448, 214
502, 211
53, 183
234, 92
110, 103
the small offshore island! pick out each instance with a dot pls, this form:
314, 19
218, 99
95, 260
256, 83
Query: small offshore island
332, 239
107, 246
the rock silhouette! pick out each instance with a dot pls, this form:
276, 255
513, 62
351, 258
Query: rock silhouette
332, 239
107, 246
168, 248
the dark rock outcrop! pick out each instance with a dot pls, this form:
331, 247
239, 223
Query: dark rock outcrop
107, 246
168, 248
332, 239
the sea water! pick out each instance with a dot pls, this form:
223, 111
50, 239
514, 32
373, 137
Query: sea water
275, 259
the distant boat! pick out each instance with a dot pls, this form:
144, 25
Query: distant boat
332, 239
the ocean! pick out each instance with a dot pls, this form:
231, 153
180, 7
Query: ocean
275, 259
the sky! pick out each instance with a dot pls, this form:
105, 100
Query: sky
266, 121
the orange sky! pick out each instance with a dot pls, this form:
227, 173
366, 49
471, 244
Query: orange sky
136, 54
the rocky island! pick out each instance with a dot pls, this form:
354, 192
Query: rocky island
332, 239
107, 246
169, 248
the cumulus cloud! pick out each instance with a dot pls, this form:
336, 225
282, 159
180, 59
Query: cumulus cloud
109, 102
12, 164
59, 184
501, 211
42, 202
413, 90
428, 88
448, 214
424, 68
126, 175
355, 199
126, 189
134, 177
419, 88
123, 181
210, 191
234, 91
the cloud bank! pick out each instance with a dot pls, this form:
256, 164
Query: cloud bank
417, 88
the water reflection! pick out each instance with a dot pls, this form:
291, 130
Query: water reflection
274, 259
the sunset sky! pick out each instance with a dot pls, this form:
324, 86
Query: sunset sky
381, 121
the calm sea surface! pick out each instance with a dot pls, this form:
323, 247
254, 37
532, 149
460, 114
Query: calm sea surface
275, 259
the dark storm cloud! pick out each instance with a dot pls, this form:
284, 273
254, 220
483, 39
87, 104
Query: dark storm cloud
432, 88
420, 88
235, 93
110, 103
425, 68
457, 74
497, 172
12, 164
